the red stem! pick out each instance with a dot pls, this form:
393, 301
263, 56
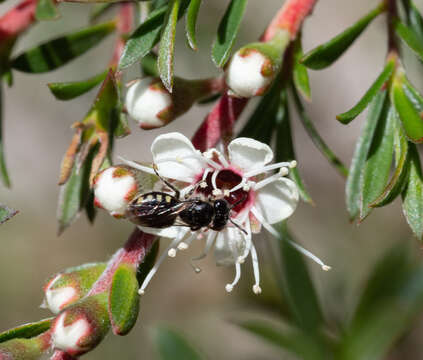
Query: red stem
133, 253
289, 17
219, 123
17, 20
124, 27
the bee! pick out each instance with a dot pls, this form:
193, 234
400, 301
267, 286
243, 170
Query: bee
158, 209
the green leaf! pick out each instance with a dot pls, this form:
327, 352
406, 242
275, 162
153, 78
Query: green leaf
123, 300
3, 169
26, 331
397, 182
46, 10
173, 346
299, 71
412, 203
407, 108
6, 213
72, 89
285, 147
299, 289
353, 186
262, 121
149, 65
165, 61
58, 52
292, 340
391, 301
315, 136
377, 167
148, 262
327, 53
416, 21
409, 37
191, 22
227, 32
351, 114
74, 194
143, 39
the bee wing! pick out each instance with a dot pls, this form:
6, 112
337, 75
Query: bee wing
145, 180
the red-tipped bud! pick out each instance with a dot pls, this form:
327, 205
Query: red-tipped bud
114, 188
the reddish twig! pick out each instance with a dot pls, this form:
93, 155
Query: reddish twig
133, 254
289, 17
124, 27
17, 20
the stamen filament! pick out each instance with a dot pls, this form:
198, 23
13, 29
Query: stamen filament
299, 248
209, 242
268, 180
230, 287
137, 166
256, 270
267, 168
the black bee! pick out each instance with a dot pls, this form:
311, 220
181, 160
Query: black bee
160, 210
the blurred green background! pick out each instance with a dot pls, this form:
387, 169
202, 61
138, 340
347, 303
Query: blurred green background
37, 132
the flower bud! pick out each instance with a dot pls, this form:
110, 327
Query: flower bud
114, 188
150, 104
82, 326
71, 285
253, 67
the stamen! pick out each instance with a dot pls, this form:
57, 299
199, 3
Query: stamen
209, 243
293, 164
206, 172
299, 248
230, 287
222, 159
226, 192
256, 270
156, 266
213, 180
137, 166
207, 156
172, 252
269, 180
182, 246
267, 168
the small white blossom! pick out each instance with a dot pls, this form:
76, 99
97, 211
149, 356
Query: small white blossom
247, 74
114, 188
256, 199
148, 103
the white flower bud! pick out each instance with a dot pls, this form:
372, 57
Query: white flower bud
68, 337
149, 103
57, 299
249, 73
114, 188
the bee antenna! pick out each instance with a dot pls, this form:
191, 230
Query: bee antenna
238, 226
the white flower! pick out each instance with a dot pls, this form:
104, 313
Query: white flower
68, 337
247, 73
57, 299
256, 199
114, 188
148, 103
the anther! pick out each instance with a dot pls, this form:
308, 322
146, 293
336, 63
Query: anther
284, 171
229, 288
240, 260
203, 185
141, 292
257, 289
246, 187
326, 268
226, 192
293, 164
182, 246
172, 252
217, 192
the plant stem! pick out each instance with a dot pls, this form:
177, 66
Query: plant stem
290, 17
392, 14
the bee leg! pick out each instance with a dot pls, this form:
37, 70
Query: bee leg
177, 192
238, 226
194, 188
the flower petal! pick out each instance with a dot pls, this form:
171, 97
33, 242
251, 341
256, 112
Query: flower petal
171, 232
176, 157
249, 154
230, 244
277, 200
